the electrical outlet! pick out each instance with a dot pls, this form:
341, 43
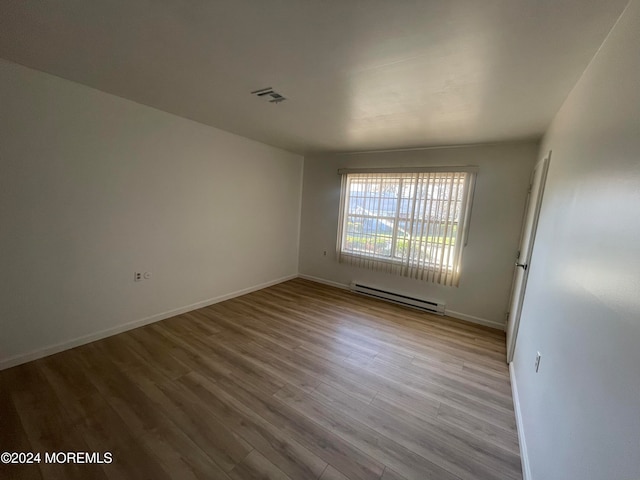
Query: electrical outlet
324, 253
538, 356
147, 275
137, 276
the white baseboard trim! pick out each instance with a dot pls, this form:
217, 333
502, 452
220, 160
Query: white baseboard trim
472, 319
524, 456
323, 281
92, 337
448, 313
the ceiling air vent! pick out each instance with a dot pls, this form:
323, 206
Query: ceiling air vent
269, 94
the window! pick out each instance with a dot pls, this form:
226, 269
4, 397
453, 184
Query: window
412, 223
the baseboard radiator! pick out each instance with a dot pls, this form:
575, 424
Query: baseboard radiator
425, 305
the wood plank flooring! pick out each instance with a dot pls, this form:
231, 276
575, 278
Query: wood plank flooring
296, 381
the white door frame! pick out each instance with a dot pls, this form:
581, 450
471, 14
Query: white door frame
523, 261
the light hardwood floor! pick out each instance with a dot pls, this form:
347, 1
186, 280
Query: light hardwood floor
297, 381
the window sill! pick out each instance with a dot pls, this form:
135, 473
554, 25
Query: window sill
394, 262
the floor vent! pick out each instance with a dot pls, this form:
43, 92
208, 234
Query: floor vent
427, 306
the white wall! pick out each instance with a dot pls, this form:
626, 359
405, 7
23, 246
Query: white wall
487, 266
581, 412
94, 187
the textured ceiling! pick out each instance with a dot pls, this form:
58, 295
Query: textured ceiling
358, 75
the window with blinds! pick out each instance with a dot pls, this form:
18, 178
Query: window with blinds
411, 223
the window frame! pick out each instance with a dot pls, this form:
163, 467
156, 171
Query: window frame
398, 262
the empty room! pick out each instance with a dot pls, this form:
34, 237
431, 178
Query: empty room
320, 240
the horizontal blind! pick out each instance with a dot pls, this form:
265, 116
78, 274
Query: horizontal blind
407, 223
